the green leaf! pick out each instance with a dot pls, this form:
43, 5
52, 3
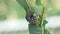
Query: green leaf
38, 2
46, 32
33, 29
45, 22
23, 3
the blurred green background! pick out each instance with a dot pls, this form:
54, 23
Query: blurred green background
13, 7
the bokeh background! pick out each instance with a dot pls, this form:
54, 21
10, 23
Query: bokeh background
12, 18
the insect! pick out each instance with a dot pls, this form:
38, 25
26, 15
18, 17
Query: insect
31, 17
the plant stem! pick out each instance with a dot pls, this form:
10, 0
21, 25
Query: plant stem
42, 21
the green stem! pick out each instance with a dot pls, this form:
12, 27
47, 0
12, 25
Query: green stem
42, 20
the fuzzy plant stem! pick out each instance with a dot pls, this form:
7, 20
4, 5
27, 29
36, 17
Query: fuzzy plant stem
42, 21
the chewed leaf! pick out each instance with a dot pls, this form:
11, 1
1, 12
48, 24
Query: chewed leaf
23, 3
